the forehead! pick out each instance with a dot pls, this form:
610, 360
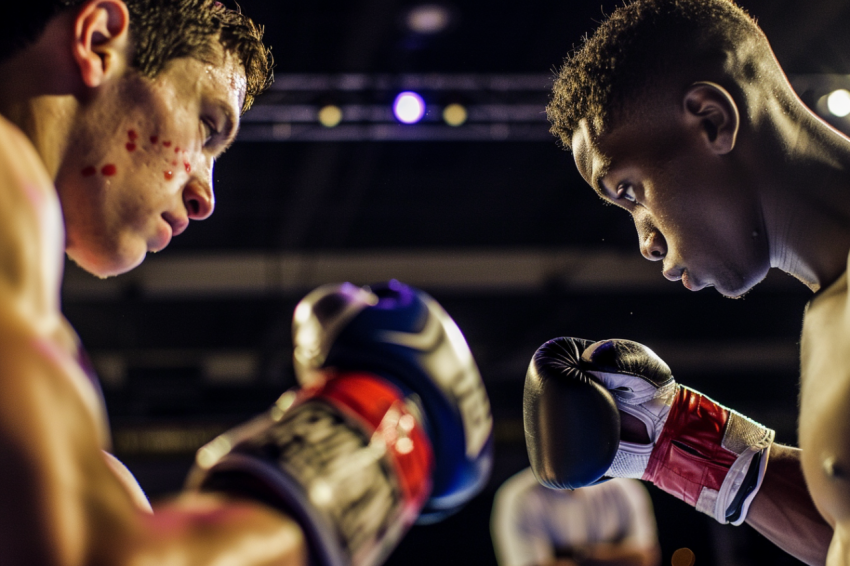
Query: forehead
591, 161
221, 76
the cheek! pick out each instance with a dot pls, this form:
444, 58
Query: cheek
163, 154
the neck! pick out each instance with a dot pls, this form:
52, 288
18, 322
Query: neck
46, 122
806, 199
37, 95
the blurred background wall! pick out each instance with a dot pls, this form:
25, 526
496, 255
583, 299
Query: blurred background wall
475, 203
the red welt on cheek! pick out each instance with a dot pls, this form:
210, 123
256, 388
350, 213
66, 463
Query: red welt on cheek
131, 147
89, 171
188, 167
109, 170
154, 139
166, 143
132, 135
169, 175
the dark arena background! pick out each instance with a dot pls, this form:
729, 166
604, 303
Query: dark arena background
475, 203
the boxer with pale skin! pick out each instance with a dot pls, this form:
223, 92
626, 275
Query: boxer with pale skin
682, 116
71, 106
111, 117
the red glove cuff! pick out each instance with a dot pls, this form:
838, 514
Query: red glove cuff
381, 405
689, 454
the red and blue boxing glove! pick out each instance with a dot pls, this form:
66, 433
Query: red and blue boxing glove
596, 410
392, 423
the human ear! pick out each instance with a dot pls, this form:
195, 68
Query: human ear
101, 40
713, 112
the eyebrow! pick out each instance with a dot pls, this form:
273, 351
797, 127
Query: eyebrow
597, 183
230, 129
594, 178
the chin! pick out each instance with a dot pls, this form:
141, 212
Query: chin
105, 264
736, 294
739, 285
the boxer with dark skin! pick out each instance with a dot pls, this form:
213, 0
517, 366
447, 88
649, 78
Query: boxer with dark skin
106, 162
679, 113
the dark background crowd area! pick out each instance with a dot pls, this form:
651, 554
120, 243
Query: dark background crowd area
490, 217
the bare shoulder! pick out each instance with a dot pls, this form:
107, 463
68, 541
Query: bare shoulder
824, 430
31, 231
31, 259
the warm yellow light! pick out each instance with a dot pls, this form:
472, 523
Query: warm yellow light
838, 103
330, 116
454, 114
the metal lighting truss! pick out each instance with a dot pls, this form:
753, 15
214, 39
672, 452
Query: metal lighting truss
500, 107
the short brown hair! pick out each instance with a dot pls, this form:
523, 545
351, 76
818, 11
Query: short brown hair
163, 30
642, 43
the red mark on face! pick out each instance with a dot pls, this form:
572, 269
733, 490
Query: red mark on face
166, 143
133, 135
154, 139
176, 150
169, 175
174, 163
188, 167
109, 170
131, 146
89, 171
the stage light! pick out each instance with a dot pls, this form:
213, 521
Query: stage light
330, 116
409, 107
838, 102
454, 114
428, 19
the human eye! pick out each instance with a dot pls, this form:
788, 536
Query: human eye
208, 130
626, 191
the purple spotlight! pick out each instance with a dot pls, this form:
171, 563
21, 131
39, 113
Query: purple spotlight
408, 107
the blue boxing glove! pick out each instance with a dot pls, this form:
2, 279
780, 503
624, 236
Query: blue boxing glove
391, 423
406, 337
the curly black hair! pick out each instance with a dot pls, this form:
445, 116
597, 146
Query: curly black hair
646, 43
163, 30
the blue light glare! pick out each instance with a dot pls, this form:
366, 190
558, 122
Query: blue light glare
409, 107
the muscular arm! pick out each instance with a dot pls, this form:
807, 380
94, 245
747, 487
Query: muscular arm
783, 510
69, 506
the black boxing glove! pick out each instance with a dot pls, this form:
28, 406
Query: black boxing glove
571, 422
697, 450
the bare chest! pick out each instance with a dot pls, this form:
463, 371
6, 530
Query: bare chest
824, 430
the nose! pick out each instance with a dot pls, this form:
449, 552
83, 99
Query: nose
653, 246
199, 199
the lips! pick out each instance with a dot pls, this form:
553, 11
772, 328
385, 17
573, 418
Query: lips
162, 238
690, 283
178, 225
681, 273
